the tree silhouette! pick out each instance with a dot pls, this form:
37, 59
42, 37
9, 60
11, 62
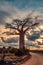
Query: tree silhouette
21, 27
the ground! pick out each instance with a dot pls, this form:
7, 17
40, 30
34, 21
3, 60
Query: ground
36, 59
11, 59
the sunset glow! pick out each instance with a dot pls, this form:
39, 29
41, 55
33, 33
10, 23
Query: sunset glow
10, 10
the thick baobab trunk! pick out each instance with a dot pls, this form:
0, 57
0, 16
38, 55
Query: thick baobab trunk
21, 41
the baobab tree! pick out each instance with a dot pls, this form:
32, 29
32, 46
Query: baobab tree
21, 27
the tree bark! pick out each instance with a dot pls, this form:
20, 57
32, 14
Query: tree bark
21, 41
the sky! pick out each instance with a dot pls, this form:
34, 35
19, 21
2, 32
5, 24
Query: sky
12, 9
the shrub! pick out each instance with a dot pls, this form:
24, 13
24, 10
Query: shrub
21, 52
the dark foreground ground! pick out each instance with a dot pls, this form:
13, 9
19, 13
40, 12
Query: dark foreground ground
10, 59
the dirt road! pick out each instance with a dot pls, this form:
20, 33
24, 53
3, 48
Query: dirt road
36, 59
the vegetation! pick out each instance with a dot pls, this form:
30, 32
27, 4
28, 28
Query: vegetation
20, 52
20, 27
15, 51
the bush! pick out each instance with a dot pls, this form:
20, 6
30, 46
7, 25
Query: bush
21, 52
18, 52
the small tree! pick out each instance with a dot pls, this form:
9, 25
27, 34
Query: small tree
20, 27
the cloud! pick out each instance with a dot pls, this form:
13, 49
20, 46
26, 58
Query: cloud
10, 40
11, 11
3, 15
33, 37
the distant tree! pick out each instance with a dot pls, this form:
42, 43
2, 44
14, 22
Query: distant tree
21, 27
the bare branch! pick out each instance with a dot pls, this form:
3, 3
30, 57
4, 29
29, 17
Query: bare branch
11, 27
29, 27
22, 25
7, 25
17, 21
26, 21
10, 33
36, 17
28, 18
35, 24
